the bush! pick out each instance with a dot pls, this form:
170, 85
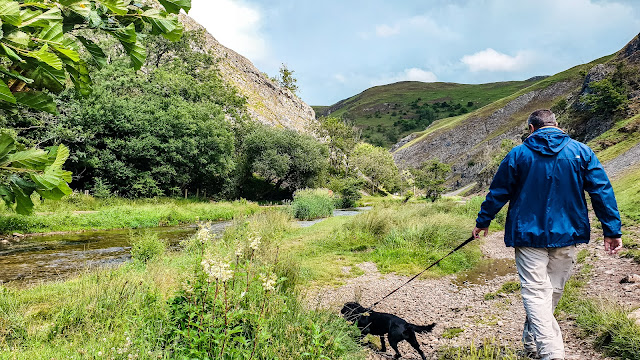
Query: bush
146, 246
311, 204
348, 190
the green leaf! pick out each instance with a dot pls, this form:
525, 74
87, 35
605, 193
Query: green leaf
41, 19
127, 34
18, 38
56, 193
15, 75
68, 53
7, 195
118, 7
10, 12
52, 33
47, 77
5, 93
174, 6
169, 26
24, 205
47, 57
80, 7
37, 100
79, 74
32, 159
97, 55
10, 53
61, 153
7, 145
136, 52
51, 179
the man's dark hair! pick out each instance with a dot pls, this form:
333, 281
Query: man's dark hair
543, 117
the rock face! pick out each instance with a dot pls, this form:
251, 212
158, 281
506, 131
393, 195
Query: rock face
267, 102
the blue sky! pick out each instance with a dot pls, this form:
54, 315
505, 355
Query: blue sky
339, 48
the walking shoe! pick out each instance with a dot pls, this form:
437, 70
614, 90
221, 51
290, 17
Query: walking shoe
530, 354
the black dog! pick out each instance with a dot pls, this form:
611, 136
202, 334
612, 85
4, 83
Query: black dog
376, 323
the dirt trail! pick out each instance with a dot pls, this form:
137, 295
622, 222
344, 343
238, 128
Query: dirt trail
452, 306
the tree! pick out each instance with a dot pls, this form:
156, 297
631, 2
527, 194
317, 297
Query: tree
377, 164
342, 138
605, 97
41, 44
286, 80
283, 157
430, 178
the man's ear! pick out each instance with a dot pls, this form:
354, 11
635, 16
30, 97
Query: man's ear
531, 129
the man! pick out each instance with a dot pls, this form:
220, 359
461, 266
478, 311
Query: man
544, 180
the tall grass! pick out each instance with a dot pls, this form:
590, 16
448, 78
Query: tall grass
489, 350
309, 204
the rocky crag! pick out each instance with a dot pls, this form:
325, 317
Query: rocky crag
470, 142
267, 102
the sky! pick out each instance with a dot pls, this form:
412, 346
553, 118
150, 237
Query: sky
339, 48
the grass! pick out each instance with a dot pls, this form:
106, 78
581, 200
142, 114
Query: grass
627, 189
508, 287
309, 204
397, 238
80, 212
601, 320
489, 350
617, 140
169, 307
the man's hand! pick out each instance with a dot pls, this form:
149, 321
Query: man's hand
612, 245
476, 232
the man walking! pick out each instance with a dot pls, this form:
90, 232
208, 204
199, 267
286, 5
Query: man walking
544, 180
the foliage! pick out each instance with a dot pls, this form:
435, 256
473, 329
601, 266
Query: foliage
377, 164
42, 42
25, 171
508, 287
489, 171
286, 80
605, 97
283, 157
146, 246
342, 138
348, 190
489, 350
627, 189
430, 177
309, 204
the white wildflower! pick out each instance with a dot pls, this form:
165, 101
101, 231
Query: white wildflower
255, 242
268, 282
217, 270
99, 353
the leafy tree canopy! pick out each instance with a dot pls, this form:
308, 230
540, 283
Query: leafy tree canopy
377, 164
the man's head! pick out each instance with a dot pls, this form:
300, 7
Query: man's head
541, 118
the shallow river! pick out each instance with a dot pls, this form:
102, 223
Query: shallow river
51, 257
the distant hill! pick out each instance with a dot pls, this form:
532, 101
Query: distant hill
387, 113
597, 103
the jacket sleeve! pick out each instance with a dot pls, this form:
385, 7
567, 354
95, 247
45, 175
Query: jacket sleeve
500, 191
597, 184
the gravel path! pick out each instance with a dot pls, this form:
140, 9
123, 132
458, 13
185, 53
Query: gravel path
457, 301
623, 162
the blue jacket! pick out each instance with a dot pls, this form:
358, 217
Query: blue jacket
544, 180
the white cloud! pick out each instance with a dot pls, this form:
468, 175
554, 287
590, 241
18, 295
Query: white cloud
412, 74
386, 30
340, 78
491, 60
234, 23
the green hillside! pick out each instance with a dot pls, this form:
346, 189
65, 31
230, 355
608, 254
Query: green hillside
389, 112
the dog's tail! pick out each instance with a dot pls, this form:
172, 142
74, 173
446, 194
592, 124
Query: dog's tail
422, 329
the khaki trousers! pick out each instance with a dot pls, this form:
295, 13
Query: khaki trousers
543, 273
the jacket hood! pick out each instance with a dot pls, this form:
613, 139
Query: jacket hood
547, 141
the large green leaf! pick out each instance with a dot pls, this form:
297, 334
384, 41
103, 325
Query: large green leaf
174, 6
24, 205
37, 100
56, 193
30, 159
136, 52
10, 12
5, 93
68, 53
61, 153
52, 33
167, 25
10, 53
50, 179
43, 54
7, 195
7, 145
98, 56
17, 38
15, 75
79, 74
118, 7
41, 19
127, 34
47, 77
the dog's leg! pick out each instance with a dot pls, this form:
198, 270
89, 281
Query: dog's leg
414, 342
394, 345
383, 346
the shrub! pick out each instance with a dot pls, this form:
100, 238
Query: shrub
146, 246
311, 204
348, 190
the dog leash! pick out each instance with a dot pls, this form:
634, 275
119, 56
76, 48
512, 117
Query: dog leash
422, 272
